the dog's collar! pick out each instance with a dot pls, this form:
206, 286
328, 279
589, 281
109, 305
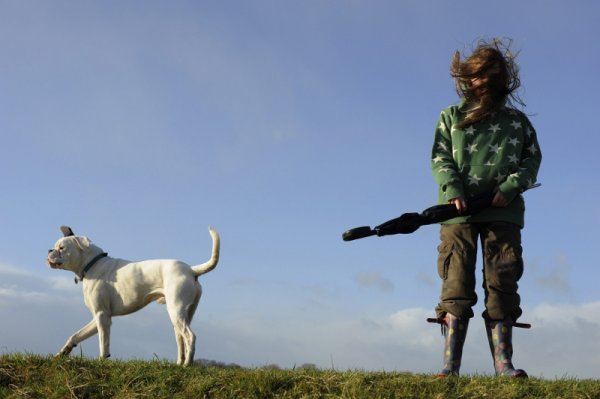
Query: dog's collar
89, 266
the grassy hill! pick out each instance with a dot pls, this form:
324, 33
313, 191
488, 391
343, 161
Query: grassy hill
32, 376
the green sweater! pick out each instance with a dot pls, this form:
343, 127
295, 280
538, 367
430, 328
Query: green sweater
500, 153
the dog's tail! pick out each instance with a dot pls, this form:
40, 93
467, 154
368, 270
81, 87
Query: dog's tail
214, 259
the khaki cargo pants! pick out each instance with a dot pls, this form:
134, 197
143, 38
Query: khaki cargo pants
502, 268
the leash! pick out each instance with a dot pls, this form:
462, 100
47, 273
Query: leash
89, 266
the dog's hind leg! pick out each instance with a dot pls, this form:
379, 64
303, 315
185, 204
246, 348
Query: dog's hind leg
181, 301
180, 346
188, 335
190, 344
186, 341
84, 333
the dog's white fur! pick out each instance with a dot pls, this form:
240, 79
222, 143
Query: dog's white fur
116, 287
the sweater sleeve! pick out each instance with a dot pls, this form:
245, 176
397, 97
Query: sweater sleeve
443, 167
529, 164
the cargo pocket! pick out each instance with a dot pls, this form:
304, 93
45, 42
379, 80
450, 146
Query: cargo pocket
444, 256
506, 260
515, 253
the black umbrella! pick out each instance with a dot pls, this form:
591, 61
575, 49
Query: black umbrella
410, 222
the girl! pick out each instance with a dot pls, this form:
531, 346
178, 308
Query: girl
483, 144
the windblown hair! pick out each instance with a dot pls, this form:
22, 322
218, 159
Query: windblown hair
495, 62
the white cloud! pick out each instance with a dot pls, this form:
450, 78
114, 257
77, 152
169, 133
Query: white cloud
64, 285
554, 277
567, 317
403, 341
561, 343
373, 279
426, 279
13, 293
10, 270
20, 288
563, 340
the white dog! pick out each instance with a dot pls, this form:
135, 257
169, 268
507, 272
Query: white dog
116, 287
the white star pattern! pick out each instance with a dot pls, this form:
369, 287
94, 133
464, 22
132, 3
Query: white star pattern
495, 148
471, 148
474, 180
532, 149
494, 128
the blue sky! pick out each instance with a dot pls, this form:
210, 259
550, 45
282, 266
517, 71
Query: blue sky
282, 124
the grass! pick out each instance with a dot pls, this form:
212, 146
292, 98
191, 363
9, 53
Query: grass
33, 376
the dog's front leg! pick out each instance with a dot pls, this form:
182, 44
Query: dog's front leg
103, 322
87, 331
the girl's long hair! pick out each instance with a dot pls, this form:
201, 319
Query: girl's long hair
493, 61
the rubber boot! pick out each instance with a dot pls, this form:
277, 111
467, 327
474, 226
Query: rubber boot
499, 335
455, 332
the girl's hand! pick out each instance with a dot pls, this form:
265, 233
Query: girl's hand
499, 201
460, 203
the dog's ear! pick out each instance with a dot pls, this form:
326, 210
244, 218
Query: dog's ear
83, 243
66, 230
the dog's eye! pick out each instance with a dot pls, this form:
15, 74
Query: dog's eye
61, 248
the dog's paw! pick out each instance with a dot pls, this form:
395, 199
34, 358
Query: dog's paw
66, 350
